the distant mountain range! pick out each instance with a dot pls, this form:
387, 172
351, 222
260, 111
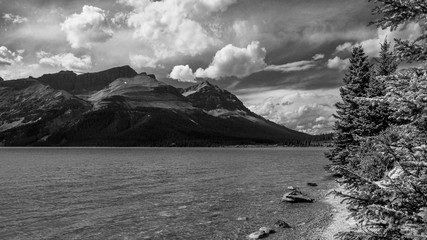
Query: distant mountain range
119, 107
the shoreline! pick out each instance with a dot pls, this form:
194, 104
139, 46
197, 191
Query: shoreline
338, 216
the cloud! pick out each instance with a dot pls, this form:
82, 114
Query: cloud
182, 73
309, 111
409, 32
372, 46
66, 60
234, 61
9, 17
318, 57
291, 67
338, 63
89, 27
347, 46
8, 57
16, 71
12, 64
120, 19
174, 27
141, 61
296, 66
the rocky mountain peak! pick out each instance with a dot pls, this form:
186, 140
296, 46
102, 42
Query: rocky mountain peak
211, 97
1, 79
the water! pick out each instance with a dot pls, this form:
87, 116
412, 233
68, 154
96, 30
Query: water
158, 193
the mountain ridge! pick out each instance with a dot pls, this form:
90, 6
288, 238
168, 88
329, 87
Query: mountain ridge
130, 110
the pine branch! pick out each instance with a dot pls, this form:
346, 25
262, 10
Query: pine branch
414, 164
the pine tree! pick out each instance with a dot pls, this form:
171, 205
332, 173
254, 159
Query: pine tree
386, 64
374, 115
385, 175
356, 81
394, 13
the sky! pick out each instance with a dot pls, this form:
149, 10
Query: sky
285, 59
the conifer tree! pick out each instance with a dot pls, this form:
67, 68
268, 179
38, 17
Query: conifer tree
394, 13
356, 82
374, 115
385, 175
386, 63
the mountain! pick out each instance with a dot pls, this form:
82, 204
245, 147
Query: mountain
30, 111
131, 110
210, 97
138, 92
87, 82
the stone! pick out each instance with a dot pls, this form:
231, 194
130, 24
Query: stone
312, 184
242, 219
267, 230
296, 196
291, 188
282, 224
257, 235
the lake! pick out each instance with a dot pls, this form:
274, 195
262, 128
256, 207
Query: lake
156, 193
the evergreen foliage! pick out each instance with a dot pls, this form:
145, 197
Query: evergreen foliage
385, 166
356, 81
393, 13
386, 178
386, 63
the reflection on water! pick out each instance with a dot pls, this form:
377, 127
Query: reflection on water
151, 193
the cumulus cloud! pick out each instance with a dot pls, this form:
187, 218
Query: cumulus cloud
12, 65
338, 63
88, 27
9, 17
16, 71
309, 112
120, 19
174, 27
66, 60
8, 57
296, 66
234, 61
182, 73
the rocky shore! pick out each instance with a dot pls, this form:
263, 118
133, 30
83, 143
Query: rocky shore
319, 220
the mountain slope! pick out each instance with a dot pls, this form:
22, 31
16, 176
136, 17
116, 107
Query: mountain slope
210, 97
140, 91
130, 111
142, 111
30, 111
